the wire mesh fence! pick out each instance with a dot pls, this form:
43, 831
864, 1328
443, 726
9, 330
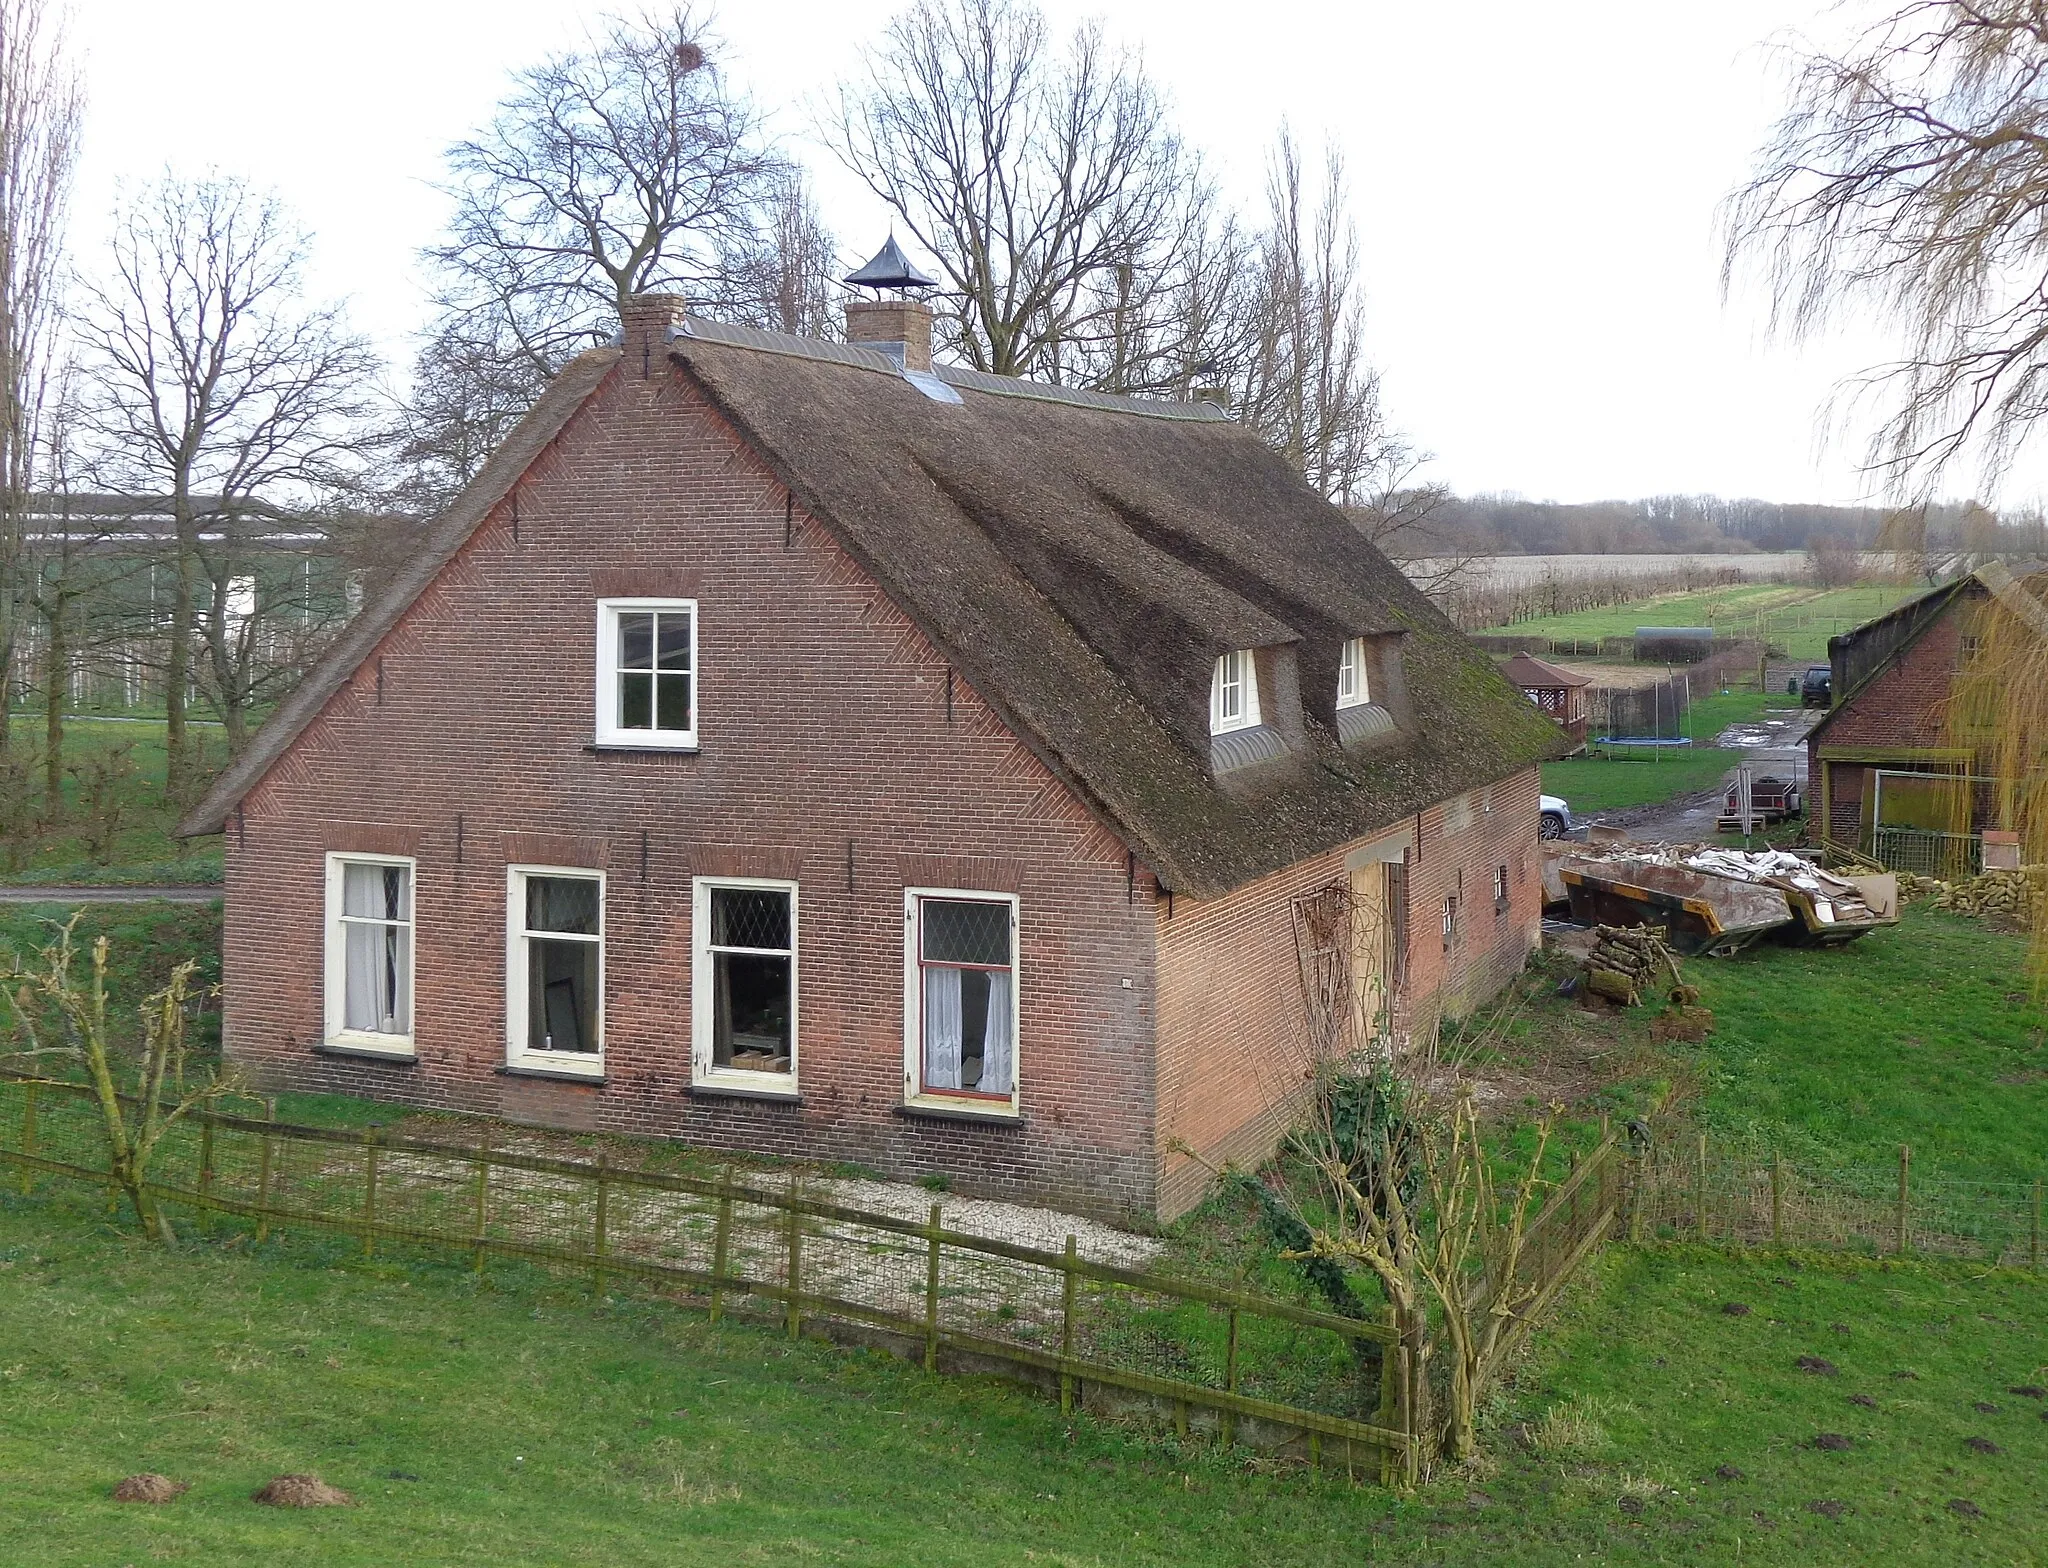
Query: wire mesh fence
1281, 1377
1697, 1191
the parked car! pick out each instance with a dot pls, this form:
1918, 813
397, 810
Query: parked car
1816, 689
1557, 817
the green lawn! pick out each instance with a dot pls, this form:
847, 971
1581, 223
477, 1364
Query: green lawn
143, 849
1641, 776
1927, 1033
1798, 619
519, 1422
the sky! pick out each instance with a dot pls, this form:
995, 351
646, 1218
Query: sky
1535, 188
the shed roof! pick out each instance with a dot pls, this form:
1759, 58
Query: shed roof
1082, 561
1525, 670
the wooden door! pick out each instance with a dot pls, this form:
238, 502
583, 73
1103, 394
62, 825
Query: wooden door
1372, 954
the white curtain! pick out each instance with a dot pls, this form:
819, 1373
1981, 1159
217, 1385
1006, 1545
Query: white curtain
995, 1047
375, 996
942, 1028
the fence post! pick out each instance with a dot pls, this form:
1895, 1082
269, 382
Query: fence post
794, 1273
1700, 1197
1389, 1412
263, 1159
931, 1294
1230, 1381
369, 1191
1777, 1200
1905, 1234
597, 1244
206, 1157
721, 1243
1067, 1332
28, 1135
483, 1195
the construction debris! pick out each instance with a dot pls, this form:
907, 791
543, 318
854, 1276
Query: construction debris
1716, 901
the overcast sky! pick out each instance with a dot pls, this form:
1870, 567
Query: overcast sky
1535, 187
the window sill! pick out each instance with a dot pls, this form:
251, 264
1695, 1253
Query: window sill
930, 1111
366, 1053
723, 1091
554, 1075
627, 748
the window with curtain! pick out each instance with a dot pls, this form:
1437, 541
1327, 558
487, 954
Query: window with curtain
555, 990
647, 672
1234, 693
965, 996
745, 993
1353, 689
369, 952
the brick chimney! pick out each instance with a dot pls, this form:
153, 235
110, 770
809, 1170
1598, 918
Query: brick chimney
644, 328
900, 328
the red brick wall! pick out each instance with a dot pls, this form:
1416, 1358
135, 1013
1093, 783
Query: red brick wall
833, 742
1902, 707
1234, 1051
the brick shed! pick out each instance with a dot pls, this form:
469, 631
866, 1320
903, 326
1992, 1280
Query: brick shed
1893, 775
787, 746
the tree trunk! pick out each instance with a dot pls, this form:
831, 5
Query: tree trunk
178, 666
56, 658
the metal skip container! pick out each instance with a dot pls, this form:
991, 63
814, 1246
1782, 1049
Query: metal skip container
1701, 913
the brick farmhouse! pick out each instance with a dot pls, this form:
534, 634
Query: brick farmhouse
789, 747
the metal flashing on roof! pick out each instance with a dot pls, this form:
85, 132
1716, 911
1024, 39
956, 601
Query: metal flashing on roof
1243, 748
931, 386
1362, 721
1045, 392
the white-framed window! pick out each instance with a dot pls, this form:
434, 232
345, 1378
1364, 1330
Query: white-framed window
1234, 693
744, 985
960, 999
370, 952
554, 969
647, 672
1353, 688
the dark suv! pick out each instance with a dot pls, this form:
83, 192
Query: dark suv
1816, 690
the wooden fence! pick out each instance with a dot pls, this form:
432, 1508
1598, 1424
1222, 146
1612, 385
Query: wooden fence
1271, 1374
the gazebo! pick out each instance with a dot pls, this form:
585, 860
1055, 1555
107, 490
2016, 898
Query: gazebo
1558, 692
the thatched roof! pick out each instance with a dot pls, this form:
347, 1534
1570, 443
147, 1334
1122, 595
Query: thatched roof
1082, 561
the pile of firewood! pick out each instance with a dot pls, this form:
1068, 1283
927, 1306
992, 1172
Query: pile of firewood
1627, 963
2014, 896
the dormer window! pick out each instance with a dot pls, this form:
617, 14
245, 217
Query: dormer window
1353, 689
1234, 693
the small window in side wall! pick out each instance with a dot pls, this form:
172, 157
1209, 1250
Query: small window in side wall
554, 969
1973, 648
744, 983
1354, 688
1450, 921
1500, 890
960, 999
1234, 693
647, 676
370, 953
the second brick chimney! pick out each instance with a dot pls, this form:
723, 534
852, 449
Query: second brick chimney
900, 328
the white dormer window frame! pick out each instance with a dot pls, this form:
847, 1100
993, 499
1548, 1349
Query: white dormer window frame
648, 676
1354, 686
1234, 693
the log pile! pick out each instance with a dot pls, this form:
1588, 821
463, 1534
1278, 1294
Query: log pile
1626, 963
2014, 896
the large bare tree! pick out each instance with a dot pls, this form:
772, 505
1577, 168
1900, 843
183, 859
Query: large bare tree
1046, 181
40, 105
624, 167
1908, 180
783, 275
212, 384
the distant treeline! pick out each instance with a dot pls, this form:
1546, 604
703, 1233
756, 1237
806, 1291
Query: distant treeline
1510, 525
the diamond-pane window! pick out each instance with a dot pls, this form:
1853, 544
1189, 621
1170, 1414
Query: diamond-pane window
746, 972
965, 996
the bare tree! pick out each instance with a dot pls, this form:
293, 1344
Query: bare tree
1313, 396
784, 275
41, 101
1909, 178
1047, 184
213, 386
470, 386
626, 167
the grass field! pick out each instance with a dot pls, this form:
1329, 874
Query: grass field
1800, 619
1645, 775
143, 849
1928, 1033
519, 1422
